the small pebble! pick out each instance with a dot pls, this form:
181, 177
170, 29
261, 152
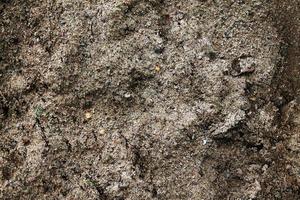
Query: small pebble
157, 68
88, 115
102, 131
127, 95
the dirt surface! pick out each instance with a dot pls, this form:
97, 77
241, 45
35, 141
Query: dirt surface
150, 99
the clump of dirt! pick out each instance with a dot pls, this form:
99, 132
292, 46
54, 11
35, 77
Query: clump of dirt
149, 99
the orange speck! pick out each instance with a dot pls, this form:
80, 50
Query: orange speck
157, 68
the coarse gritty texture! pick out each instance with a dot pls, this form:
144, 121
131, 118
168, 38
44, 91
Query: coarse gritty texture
149, 99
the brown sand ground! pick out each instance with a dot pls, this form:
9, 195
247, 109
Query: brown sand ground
150, 99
